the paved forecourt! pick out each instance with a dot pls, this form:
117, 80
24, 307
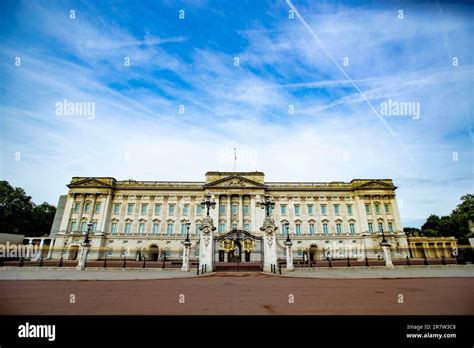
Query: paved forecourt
240, 293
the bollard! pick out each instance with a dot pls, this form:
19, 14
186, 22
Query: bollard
366, 261
348, 262
105, 261
124, 262
61, 262
197, 272
443, 260
41, 262
22, 262
205, 268
408, 261
425, 262
279, 269
144, 262
2, 262
330, 263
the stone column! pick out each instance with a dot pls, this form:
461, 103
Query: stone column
386, 254
269, 243
253, 214
51, 248
185, 266
289, 256
396, 215
206, 244
83, 256
40, 250
229, 213
241, 212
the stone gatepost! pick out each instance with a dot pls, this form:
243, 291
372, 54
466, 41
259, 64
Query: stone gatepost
185, 267
206, 245
386, 254
289, 255
269, 243
83, 256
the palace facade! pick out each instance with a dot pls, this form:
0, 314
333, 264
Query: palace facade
136, 219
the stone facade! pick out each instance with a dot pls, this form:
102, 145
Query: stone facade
137, 218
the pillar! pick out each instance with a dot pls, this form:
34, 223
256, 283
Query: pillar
269, 243
386, 255
185, 266
83, 257
289, 256
206, 244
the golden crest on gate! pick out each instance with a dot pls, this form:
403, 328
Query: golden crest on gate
248, 244
228, 244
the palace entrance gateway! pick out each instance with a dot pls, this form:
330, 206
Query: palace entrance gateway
238, 250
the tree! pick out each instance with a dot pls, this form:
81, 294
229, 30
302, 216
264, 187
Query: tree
432, 223
19, 215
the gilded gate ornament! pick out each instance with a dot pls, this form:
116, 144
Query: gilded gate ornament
248, 244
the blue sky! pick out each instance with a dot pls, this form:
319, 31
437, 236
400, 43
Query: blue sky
333, 64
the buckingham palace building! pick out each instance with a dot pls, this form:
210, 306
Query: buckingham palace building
150, 219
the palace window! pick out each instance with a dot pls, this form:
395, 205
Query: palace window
84, 226
183, 229
297, 209
144, 209
141, 228
387, 208
196, 252
246, 209
198, 229
117, 208
377, 209
97, 208
247, 227
130, 207
323, 209
167, 252
186, 209
311, 229
380, 227
352, 228
156, 228
390, 227
94, 226
300, 251
325, 229
234, 209
76, 207
310, 209
336, 209
198, 210
371, 227
169, 229
234, 226
298, 229
128, 228
171, 209
222, 209
113, 228
87, 207
73, 225
367, 209
110, 251
283, 209
157, 209
222, 228
349, 210
339, 228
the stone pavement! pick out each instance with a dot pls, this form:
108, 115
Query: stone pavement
91, 274
29, 273
451, 271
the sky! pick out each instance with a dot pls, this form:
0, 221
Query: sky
304, 90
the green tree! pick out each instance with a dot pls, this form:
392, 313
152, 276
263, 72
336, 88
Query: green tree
19, 215
432, 223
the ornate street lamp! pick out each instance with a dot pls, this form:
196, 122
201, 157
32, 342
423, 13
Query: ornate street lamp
287, 229
89, 228
267, 204
188, 225
207, 203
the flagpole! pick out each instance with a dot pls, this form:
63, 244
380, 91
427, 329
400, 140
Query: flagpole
235, 159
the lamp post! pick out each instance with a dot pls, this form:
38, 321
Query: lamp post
85, 249
267, 204
187, 244
207, 203
289, 251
